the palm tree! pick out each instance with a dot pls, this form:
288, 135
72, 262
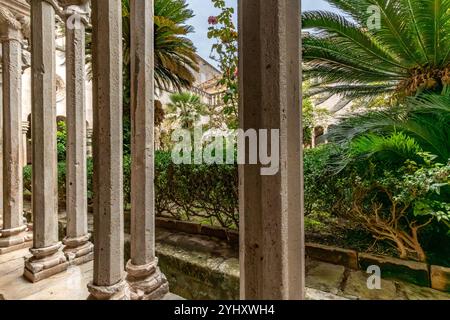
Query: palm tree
409, 53
185, 109
399, 133
175, 54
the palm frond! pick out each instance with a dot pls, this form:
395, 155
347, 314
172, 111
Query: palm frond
409, 52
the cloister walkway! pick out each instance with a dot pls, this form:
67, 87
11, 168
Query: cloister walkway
271, 221
324, 281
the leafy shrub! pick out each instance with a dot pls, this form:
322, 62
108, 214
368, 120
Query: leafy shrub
61, 140
325, 190
203, 193
207, 193
398, 204
397, 133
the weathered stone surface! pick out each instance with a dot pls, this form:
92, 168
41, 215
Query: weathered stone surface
146, 282
188, 227
13, 233
77, 252
325, 277
271, 233
190, 279
47, 260
413, 292
108, 180
198, 267
45, 273
356, 287
314, 294
142, 137
26, 244
195, 228
440, 278
45, 223
344, 257
25, 128
165, 223
145, 279
117, 291
410, 271
85, 258
77, 237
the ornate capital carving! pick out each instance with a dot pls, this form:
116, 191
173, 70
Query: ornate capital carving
75, 12
7, 18
68, 3
55, 5
10, 26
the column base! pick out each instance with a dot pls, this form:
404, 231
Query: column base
45, 263
117, 291
14, 239
78, 250
146, 282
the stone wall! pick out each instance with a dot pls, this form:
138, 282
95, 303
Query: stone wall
418, 273
198, 267
199, 277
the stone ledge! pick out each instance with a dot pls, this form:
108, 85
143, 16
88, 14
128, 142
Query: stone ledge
199, 276
343, 257
44, 274
394, 268
440, 278
409, 271
24, 245
356, 288
325, 277
197, 228
314, 294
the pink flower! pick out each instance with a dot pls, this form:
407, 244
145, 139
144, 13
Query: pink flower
213, 20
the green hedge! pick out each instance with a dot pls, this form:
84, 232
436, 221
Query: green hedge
209, 193
202, 193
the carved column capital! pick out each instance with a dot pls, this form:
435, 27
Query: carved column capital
75, 12
55, 5
10, 26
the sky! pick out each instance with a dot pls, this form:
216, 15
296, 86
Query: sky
204, 9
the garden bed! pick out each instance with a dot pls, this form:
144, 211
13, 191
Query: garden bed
418, 273
323, 228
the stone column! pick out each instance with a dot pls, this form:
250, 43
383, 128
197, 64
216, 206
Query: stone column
25, 128
89, 133
144, 277
13, 234
78, 248
325, 132
313, 137
271, 231
108, 282
1, 146
48, 258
